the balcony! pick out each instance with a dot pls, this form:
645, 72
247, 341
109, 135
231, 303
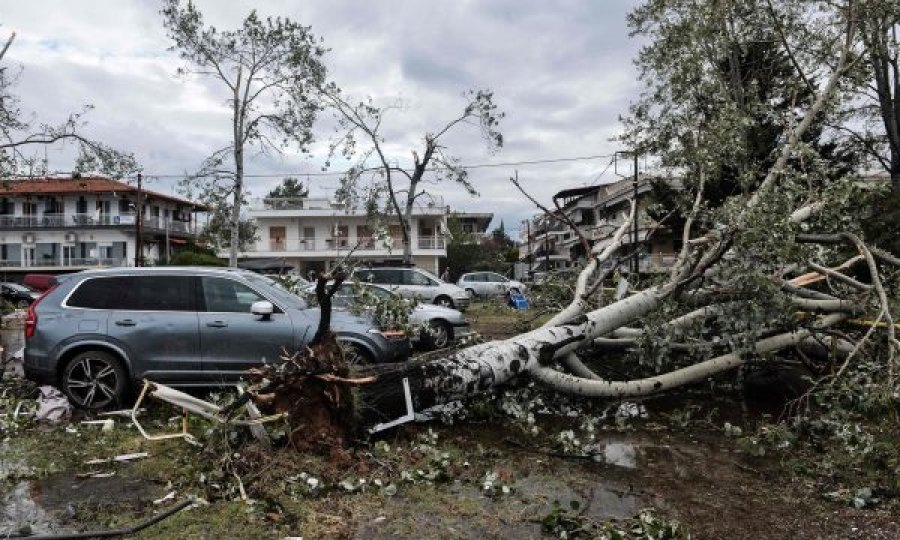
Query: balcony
89, 262
331, 246
59, 221
431, 242
313, 206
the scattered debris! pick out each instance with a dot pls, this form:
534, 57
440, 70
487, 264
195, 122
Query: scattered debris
167, 497
105, 425
53, 406
122, 458
189, 403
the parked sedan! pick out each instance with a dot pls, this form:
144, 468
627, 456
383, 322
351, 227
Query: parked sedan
98, 332
18, 295
445, 325
488, 284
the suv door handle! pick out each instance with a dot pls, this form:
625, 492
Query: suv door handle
125, 322
217, 324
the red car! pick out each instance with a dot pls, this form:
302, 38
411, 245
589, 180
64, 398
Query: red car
39, 282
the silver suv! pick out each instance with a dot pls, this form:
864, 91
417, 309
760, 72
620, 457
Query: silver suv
416, 283
98, 331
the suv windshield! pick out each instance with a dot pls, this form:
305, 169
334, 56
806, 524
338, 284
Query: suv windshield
274, 289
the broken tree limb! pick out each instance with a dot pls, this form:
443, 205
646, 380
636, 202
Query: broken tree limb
691, 374
579, 301
840, 276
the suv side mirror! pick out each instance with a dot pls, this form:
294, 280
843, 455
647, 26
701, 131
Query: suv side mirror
263, 308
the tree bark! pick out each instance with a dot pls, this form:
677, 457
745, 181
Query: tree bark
238, 195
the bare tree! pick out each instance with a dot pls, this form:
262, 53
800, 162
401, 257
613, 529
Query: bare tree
270, 68
403, 185
879, 29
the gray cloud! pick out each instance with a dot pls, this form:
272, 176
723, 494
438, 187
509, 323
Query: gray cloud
561, 70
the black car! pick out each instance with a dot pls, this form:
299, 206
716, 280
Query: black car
18, 295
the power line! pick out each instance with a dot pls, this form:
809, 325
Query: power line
467, 167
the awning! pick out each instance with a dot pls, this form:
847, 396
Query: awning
266, 264
178, 241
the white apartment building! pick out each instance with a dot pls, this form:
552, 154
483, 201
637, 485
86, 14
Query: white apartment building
598, 211
65, 224
314, 233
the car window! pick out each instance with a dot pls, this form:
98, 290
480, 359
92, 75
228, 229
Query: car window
411, 277
496, 278
383, 276
222, 295
277, 292
136, 293
371, 276
380, 293
467, 277
480, 277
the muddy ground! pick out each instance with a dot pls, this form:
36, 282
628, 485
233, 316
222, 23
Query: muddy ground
489, 476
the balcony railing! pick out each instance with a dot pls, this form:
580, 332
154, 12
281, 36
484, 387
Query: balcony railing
342, 244
431, 242
67, 263
56, 221
320, 203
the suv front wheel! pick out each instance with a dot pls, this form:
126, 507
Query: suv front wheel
94, 380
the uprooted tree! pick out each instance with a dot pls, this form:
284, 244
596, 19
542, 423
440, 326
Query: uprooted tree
779, 267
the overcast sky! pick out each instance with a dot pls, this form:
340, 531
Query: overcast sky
562, 71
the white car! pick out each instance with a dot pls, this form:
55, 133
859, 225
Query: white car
415, 283
488, 284
445, 325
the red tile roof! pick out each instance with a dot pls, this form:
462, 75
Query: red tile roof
92, 184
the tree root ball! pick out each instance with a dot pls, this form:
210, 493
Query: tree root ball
311, 388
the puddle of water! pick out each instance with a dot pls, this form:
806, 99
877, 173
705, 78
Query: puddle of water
21, 513
603, 500
39, 505
620, 454
468, 513
58, 492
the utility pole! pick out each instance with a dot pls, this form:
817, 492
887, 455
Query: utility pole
138, 224
636, 258
530, 253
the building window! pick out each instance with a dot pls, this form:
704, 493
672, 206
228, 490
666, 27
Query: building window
364, 236
340, 236
81, 206
277, 238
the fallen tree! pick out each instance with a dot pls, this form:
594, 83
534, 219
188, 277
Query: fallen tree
775, 270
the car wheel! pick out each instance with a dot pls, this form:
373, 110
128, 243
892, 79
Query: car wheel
515, 290
471, 293
94, 380
444, 301
22, 304
439, 334
356, 355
